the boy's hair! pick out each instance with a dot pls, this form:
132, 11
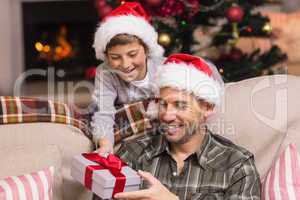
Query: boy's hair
123, 39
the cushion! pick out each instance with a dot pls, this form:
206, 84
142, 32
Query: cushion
36, 185
283, 179
23, 159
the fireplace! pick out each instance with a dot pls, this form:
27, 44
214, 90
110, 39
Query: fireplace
59, 34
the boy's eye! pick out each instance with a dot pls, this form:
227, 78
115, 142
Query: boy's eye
132, 54
114, 57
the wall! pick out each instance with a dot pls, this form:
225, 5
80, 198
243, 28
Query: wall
11, 43
11, 58
6, 70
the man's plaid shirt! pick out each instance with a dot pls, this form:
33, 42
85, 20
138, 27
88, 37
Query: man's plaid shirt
218, 170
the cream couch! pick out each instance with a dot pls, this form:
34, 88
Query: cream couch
34, 146
261, 114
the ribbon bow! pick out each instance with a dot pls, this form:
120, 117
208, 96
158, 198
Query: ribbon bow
112, 163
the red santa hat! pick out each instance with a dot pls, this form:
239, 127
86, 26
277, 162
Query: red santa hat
193, 74
129, 18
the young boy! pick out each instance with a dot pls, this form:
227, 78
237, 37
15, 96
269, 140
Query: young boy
127, 43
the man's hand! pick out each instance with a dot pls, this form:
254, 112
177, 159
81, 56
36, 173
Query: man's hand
156, 191
105, 146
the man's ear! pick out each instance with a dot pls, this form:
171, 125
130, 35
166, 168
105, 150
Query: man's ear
209, 109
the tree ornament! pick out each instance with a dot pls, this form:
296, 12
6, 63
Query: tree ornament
154, 3
267, 28
164, 39
183, 24
221, 70
172, 8
235, 54
102, 8
100, 4
90, 73
193, 6
249, 29
235, 14
104, 11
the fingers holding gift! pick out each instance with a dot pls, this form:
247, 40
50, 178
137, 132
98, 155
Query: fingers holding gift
156, 190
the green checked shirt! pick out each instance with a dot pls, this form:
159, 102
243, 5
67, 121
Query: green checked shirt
218, 170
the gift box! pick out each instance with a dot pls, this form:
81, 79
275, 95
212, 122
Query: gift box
105, 176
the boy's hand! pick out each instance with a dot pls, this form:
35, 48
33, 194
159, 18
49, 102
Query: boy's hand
105, 146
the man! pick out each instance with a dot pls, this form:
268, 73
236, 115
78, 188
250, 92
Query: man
184, 160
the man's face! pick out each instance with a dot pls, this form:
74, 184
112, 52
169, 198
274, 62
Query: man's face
181, 114
128, 60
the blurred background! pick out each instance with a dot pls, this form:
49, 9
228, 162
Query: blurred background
46, 45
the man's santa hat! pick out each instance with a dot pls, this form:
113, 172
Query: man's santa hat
192, 74
129, 18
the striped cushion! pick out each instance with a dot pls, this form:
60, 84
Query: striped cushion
36, 185
283, 180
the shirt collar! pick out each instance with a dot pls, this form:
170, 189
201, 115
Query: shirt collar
158, 147
203, 150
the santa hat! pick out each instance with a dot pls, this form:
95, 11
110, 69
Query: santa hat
192, 74
129, 18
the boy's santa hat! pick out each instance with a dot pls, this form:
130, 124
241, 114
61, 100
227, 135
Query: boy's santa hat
192, 74
129, 18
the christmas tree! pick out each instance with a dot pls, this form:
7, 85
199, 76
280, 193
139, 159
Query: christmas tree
211, 29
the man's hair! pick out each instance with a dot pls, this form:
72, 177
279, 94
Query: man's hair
123, 39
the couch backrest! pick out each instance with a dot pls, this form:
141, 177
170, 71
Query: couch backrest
258, 113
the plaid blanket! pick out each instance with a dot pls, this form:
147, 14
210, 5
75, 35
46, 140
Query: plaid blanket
28, 110
131, 120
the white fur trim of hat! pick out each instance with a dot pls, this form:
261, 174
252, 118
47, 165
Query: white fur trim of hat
128, 24
187, 77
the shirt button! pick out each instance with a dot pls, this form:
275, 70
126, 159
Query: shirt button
174, 173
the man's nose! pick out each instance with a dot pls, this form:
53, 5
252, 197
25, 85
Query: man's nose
168, 113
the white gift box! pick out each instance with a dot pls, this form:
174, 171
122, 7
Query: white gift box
103, 182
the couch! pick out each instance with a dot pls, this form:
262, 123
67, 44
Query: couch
261, 114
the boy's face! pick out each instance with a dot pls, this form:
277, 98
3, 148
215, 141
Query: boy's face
128, 60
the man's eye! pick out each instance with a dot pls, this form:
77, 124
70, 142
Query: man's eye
181, 105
